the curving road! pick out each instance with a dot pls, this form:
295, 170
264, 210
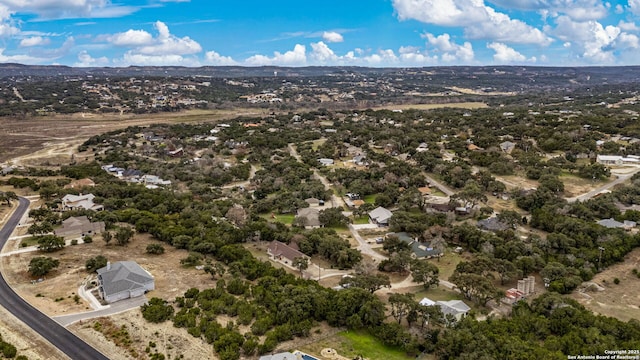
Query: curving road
57, 335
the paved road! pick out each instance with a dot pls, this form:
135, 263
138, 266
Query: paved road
439, 185
619, 180
57, 335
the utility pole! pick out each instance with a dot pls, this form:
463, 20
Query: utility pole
600, 257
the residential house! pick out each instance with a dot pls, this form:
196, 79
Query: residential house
314, 201
360, 160
424, 191
507, 146
474, 147
77, 184
380, 216
419, 250
154, 180
280, 251
456, 308
176, 153
610, 223
309, 218
79, 202
617, 160
79, 227
422, 147
283, 356
492, 224
325, 161
123, 280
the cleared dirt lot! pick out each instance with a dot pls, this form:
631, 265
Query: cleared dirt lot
55, 294
621, 301
52, 139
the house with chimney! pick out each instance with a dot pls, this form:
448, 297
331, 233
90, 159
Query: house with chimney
123, 280
282, 252
80, 202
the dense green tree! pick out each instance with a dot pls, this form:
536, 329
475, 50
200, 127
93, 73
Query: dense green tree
40, 265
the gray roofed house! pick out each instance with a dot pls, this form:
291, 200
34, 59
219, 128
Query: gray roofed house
281, 251
457, 308
123, 280
75, 202
309, 217
493, 224
80, 226
380, 216
507, 146
611, 223
420, 250
280, 356
325, 161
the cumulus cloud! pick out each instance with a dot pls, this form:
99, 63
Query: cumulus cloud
21, 58
295, 57
51, 9
332, 37
634, 7
131, 38
86, 60
34, 41
478, 20
213, 58
505, 54
321, 53
163, 49
575, 9
594, 41
449, 50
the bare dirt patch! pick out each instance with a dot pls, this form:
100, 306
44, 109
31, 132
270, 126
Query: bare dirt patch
52, 139
460, 105
621, 301
55, 294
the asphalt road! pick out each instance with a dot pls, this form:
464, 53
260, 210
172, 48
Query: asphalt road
57, 335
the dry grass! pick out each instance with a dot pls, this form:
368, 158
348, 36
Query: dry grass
575, 186
461, 105
621, 301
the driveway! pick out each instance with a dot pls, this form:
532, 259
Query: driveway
71, 345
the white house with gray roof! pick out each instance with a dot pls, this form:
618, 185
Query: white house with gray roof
123, 280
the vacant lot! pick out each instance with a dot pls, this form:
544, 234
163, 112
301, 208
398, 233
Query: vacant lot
55, 294
461, 105
51, 140
350, 344
621, 301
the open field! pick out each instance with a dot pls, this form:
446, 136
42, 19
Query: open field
621, 301
461, 105
353, 343
53, 139
574, 185
54, 295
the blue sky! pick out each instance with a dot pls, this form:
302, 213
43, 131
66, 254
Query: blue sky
374, 33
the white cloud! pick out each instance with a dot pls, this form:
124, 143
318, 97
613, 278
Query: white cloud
593, 41
332, 37
131, 38
634, 6
628, 26
321, 53
449, 50
628, 41
168, 44
575, 9
86, 60
295, 57
478, 20
51, 9
505, 54
213, 58
21, 58
131, 58
34, 41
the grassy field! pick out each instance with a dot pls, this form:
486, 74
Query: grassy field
361, 220
575, 185
370, 199
462, 105
447, 263
352, 343
283, 218
29, 241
